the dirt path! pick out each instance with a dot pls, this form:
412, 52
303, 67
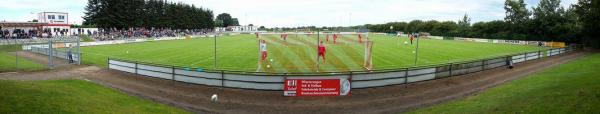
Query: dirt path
391, 99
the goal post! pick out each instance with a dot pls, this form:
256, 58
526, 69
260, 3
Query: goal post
368, 62
293, 52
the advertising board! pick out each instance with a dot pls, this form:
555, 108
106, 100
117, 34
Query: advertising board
316, 87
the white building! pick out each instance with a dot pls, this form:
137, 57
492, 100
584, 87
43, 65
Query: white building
240, 29
57, 22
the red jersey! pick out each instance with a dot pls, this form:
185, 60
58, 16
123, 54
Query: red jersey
321, 49
360, 38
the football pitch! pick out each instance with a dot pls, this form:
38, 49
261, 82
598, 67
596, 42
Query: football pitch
298, 53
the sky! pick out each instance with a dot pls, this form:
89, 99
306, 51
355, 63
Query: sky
292, 13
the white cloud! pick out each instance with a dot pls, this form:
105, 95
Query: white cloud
278, 13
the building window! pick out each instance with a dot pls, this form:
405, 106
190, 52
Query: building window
51, 17
61, 17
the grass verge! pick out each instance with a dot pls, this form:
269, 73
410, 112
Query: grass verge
8, 62
568, 88
72, 96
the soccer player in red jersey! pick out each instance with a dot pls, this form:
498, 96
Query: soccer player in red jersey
412, 37
334, 38
359, 38
322, 51
263, 50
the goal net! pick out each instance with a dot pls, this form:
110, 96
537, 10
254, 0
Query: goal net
299, 52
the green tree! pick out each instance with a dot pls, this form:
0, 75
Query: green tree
235, 22
219, 23
516, 12
91, 12
414, 26
447, 28
517, 16
464, 26
125, 14
226, 18
547, 16
588, 12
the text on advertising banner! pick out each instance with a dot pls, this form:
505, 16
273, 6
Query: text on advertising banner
316, 87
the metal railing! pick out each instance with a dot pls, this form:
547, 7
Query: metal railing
38, 40
359, 79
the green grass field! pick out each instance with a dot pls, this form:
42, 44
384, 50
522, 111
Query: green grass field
569, 88
72, 96
297, 53
8, 61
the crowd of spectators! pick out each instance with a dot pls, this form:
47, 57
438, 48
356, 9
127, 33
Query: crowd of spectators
108, 34
28, 34
102, 34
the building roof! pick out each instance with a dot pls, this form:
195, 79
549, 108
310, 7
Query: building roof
21, 24
54, 12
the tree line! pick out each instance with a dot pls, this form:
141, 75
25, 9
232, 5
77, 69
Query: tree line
124, 14
548, 21
225, 20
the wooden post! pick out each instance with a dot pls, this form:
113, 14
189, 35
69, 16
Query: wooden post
173, 73
450, 70
222, 79
483, 65
136, 68
526, 54
405, 75
539, 54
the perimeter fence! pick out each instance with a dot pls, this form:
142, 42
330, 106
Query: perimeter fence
359, 79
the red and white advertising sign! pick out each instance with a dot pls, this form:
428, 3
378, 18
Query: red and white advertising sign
316, 87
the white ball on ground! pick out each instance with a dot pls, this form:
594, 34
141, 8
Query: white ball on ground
414, 52
268, 66
214, 98
405, 42
271, 60
126, 51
